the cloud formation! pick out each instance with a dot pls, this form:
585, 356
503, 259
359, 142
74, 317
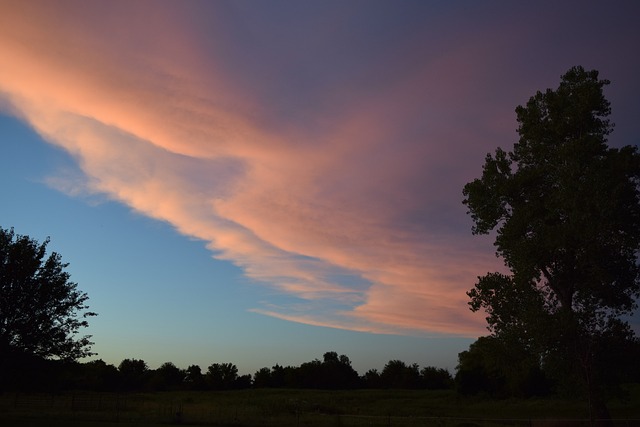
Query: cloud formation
327, 165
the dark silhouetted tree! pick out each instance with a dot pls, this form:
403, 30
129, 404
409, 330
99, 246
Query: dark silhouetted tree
436, 378
478, 372
194, 378
280, 376
221, 376
243, 381
133, 374
333, 372
371, 379
309, 374
98, 376
397, 374
336, 372
41, 310
498, 368
331, 357
566, 211
168, 377
262, 378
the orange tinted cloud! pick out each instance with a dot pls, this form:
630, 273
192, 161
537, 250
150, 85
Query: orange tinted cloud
336, 214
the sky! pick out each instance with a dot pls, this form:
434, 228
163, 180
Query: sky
261, 182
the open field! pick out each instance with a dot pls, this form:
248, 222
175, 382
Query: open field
276, 407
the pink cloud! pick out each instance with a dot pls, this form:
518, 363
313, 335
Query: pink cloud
158, 128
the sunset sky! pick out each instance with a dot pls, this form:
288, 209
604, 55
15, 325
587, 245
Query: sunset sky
260, 182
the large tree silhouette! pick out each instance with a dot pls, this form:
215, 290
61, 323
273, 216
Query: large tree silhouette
566, 212
41, 310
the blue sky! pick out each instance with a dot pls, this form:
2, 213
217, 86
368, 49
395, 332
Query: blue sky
262, 182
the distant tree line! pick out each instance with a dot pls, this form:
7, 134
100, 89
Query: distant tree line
332, 372
490, 367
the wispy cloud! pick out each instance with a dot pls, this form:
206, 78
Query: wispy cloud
351, 205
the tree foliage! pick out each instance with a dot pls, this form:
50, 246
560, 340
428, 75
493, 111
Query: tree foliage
565, 208
98, 375
41, 310
397, 374
499, 368
194, 378
168, 377
221, 376
133, 373
436, 378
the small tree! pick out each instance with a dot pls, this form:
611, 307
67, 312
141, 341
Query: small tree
336, 372
279, 376
41, 310
436, 378
566, 210
98, 375
168, 377
371, 379
397, 374
221, 376
133, 373
194, 377
262, 378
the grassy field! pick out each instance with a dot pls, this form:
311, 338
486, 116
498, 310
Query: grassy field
275, 407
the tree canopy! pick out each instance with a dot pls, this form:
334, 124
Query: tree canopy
501, 369
565, 209
41, 310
